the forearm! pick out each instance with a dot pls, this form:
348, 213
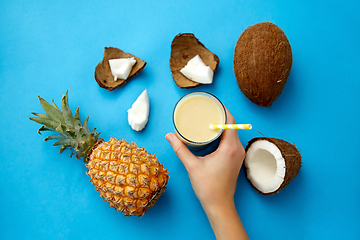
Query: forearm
225, 221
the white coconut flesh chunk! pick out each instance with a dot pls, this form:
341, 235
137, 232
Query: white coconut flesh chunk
197, 71
138, 114
265, 166
121, 67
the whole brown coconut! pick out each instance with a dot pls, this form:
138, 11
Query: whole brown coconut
103, 75
262, 62
271, 164
184, 47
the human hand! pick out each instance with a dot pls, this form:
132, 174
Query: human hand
214, 176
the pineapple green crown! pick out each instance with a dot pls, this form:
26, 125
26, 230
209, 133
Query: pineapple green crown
68, 128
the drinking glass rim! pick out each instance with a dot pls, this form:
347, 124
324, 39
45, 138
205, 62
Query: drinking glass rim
203, 93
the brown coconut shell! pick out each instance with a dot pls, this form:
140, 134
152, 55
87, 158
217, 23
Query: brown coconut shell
184, 47
262, 62
291, 156
103, 75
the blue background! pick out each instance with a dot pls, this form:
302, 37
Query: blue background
47, 47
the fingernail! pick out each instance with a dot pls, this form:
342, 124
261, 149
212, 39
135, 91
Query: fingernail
169, 138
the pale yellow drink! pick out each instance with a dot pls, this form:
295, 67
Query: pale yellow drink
193, 115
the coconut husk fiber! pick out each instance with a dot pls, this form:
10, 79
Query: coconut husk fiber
184, 47
262, 62
103, 75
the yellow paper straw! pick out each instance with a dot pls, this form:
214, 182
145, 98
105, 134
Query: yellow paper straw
230, 126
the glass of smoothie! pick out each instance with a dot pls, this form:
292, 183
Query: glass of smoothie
192, 116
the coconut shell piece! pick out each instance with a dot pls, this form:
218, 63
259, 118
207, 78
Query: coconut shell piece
262, 62
291, 157
184, 47
103, 75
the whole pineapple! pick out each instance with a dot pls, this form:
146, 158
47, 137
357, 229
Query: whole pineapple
127, 177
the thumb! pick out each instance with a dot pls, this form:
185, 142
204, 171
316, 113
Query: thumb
180, 149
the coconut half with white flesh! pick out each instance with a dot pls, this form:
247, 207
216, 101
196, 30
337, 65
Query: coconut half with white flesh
271, 164
184, 47
104, 74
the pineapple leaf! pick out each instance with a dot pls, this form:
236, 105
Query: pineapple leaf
82, 133
62, 148
96, 135
71, 133
60, 128
40, 115
77, 120
76, 146
66, 112
69, 144
46, 122
80, 155
73, 152
62, 142
43, 128
51, 111
86, 125
54, 104
56, 136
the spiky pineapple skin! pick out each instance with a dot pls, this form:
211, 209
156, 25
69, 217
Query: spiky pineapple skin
126, 176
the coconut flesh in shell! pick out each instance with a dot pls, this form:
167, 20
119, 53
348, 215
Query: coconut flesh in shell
103, 74
184, 47
262, 62
271, 164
